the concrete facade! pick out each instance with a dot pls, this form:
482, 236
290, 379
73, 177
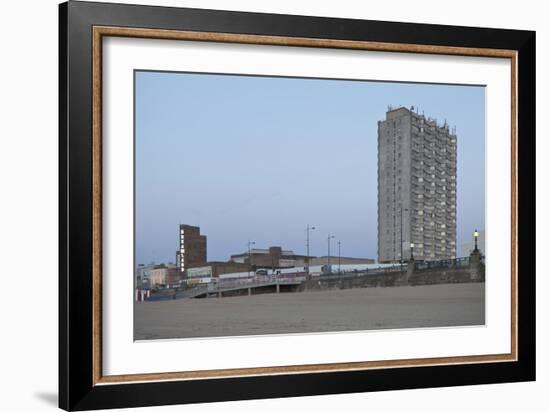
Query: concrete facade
416, 187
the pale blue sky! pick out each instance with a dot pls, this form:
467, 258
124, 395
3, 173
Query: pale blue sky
261, 157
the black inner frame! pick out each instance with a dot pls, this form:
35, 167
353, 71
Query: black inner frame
76, 388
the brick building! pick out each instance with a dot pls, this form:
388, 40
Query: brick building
192, 247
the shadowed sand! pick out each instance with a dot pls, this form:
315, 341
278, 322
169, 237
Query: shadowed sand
314, 311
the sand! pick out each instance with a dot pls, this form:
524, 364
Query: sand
313, 311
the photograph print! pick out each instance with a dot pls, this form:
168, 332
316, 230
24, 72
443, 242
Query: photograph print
282, 205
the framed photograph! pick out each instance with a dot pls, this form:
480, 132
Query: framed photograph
257, 205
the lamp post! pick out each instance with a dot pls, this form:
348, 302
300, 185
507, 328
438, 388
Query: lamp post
339, 255
412, 249
328, 257
401, 234
307, 247
476, 235
249, 259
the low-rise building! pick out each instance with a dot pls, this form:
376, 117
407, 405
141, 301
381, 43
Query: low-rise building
274, 257
142, 274
205, 273
335, 260
164, 275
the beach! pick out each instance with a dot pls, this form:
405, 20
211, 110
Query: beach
313, 311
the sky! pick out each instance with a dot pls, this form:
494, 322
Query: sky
259, 158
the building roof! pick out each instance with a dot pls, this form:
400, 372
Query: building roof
263, 252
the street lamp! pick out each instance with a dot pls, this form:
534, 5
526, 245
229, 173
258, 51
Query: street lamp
339, 255
476, 235
412, 248
328, 257
249, 259
307, 246
401, 233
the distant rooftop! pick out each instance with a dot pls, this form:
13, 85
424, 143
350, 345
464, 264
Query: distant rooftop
256, 251
414, 110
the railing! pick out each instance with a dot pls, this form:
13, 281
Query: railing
223, 285
447, 263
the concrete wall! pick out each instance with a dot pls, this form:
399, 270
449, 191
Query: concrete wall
464, 274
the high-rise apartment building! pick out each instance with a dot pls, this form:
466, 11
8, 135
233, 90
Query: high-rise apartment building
192, 247
416, 188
